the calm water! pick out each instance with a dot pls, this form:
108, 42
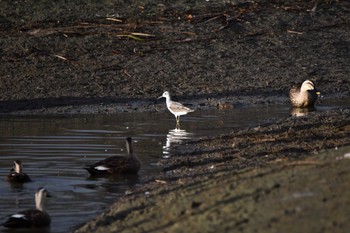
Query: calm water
53, 151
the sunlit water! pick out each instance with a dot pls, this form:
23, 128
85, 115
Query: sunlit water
54, 150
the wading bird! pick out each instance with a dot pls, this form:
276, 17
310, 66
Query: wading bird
175, 108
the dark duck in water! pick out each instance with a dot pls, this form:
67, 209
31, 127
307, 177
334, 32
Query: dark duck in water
16, 174
31, 218
114, 165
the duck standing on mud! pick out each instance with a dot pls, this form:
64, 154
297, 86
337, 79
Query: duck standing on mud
175, 108
16, 174
33, 217
117, 164
303, 95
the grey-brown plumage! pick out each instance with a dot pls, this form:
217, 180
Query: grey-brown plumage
16, 174
303, 95
33, 217
117, 164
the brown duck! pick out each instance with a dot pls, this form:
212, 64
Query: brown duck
33, 217
116, 164
16, 174
303, 95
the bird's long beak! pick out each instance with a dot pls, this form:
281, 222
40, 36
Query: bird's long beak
160, 97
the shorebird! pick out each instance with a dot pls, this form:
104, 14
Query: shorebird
33, 217
16, 174
303, 95
117, 164
175, 108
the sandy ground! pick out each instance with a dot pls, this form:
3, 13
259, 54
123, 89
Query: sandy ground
112, 56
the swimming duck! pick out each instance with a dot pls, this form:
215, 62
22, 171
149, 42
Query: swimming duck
117, 164
303, 95
32, 217
175, 108
16, 174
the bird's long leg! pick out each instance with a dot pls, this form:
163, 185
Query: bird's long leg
177, 121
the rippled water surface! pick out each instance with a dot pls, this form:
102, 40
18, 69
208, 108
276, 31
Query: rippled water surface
54, 150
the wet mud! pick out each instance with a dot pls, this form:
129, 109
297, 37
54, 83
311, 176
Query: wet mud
107, 57
263, 179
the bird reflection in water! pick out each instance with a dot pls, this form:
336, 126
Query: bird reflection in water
176, 135
299, 112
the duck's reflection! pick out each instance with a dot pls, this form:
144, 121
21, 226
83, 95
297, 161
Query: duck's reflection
299, 112
111, 184
176, 135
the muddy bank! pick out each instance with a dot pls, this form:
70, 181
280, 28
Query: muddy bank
103, 52
263, 179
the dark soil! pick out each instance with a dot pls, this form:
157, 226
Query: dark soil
71, 57
114, 52
263, 179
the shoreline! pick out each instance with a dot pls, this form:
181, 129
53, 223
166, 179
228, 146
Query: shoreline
228, 182
68, 106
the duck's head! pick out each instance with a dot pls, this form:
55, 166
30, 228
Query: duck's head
128, 139
17, 166
308, 85
40, 196
42, 193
